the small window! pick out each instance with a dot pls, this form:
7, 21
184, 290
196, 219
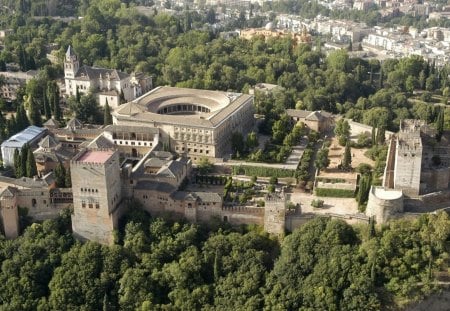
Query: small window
91, 205
97, 205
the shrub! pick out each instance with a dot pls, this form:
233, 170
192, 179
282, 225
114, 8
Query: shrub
317, 203
335, 193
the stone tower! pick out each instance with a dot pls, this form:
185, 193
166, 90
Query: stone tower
275, 213
96, 187
9, 212
71, 64
408, 158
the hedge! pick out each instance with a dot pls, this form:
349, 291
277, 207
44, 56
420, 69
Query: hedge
262, 171
335, 193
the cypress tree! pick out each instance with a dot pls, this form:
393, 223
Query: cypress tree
57, 111
347, 162
53, 98
78, 95
374, 131
364, 188
17, 164
107, 117
2, 127
35, 113
31, 164
11, 126
217, 265
440, 125
380, 85
68, 181
19, 121
22, 121
60, 175
23, 159
47, 110
381, 132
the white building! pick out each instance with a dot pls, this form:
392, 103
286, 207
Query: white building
107, 84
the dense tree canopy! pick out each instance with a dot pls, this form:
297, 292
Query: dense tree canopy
157, 264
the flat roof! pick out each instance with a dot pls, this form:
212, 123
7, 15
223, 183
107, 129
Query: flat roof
95, 156
387, 194
145, 108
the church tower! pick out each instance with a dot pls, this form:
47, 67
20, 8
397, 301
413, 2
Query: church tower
71, 64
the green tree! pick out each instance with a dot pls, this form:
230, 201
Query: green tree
365, 182
60, 175
322, 161
68, 180
205, 166
381, 135
347, 161
342, 130
87, 110
251, 141
107, 117
31, 169
35, 112
237, 144
440, 124
18, 170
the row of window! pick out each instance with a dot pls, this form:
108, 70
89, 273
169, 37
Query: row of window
188, 130
132, 143
90, 205
182, 149
88, 190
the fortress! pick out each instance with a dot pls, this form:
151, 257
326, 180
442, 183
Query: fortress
126, 161
416, 176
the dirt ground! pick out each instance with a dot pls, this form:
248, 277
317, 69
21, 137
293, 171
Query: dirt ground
340, 206
336, 154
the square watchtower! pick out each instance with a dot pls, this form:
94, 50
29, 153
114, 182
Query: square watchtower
97, 194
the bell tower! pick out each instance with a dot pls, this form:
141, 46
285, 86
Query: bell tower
71, 64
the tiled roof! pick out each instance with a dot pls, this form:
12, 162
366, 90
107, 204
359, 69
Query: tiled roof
94, 73
48, 142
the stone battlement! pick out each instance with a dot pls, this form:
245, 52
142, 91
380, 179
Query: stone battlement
243, 209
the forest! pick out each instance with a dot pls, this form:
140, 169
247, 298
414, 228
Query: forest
181, 50
159, 264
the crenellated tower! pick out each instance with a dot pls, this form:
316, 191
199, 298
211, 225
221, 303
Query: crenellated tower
96, 187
